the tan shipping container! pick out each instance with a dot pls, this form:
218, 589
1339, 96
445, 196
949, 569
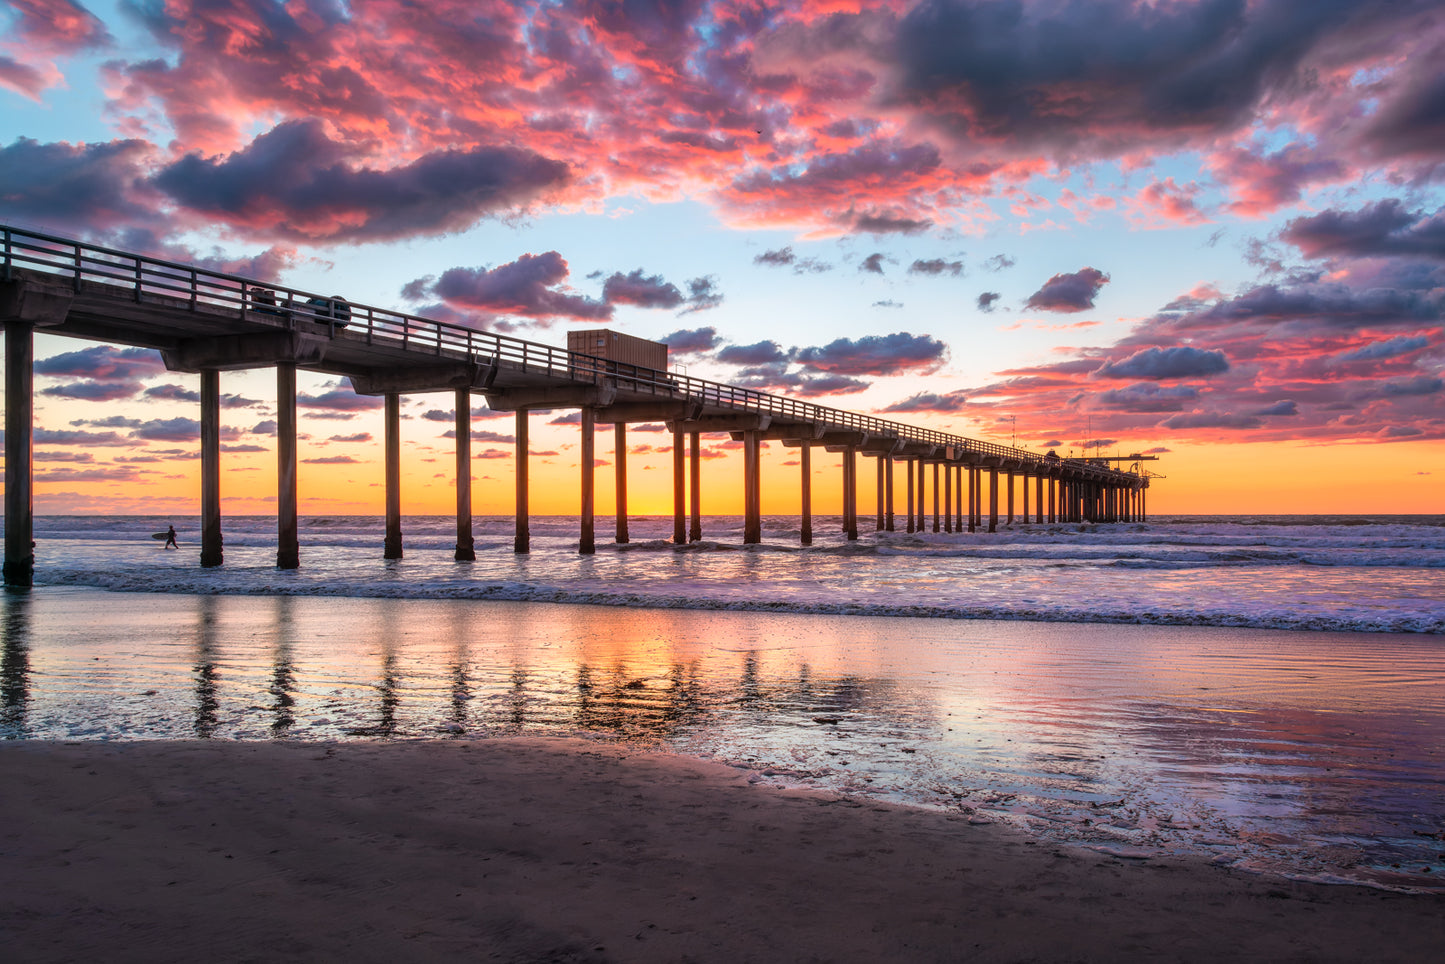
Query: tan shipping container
619, 347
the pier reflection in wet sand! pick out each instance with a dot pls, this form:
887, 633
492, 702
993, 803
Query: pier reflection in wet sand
1317, 752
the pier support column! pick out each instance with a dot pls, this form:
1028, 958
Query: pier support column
1038, 498
922, 497
992, 499
947, 498
522, 541
679, 489
888, 494
850, 492
587, 538
972, 498
1052, 500
935, 497
752, 490
288, 547
909, 463
878, 493
19, 454
1010, 483
211, 554
619, 461
1024, 492
805, 463
961, 492
391, 443
694, 481
466, 547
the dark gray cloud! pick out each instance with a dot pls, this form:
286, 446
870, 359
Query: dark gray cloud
949, 402
691, 341
172, 393
295, 182
642, 290
936, 266
882, 224
1147, 397
1388, 348
998, 262
702, 294
76, 187
339, 400
169, 430
761, 353
107, 391
1382, 229
987, 300
1180, 361
1211, 420
527, 286
876, 354
46, 436
1414, 385
1069, 292
873, 263
103, 363
781, 258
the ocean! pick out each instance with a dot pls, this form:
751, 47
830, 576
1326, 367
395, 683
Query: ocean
1366, 574
1266, 692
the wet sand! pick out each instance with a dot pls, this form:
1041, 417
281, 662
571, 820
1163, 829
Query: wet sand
538, 849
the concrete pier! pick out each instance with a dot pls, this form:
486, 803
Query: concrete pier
211, 541
205, 323
391, 417
805, 468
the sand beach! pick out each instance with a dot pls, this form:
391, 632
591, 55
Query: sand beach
535, 849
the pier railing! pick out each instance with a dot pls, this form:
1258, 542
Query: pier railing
145, 279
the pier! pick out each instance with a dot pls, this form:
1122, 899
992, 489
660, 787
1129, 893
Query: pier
204, 322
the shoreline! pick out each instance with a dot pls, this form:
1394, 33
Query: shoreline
528, 848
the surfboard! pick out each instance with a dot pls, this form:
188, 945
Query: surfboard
158, 535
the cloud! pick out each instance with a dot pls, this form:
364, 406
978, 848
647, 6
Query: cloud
332, 460
1415, 385
103, 363
998, 262
702, 294
987, 300
1382, 229
1147, 397
1388, 348
528, 286
882, 224
172, 393
169, 430
887, 303
936, 266
1195, 420
876, 354
873, 263
785, 258
1069, 292
107, 391
1180, 361
45, 436
691, 341
355, 437
295, 182
760, 353
644, 291
947, 403
339, 400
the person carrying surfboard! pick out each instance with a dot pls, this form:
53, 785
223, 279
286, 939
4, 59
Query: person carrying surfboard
170, 538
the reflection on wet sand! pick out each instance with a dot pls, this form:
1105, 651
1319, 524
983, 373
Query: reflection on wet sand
15, 664
1317, 750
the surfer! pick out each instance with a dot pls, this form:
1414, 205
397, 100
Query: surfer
170, 538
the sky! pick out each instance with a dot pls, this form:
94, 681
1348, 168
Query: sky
1211, 231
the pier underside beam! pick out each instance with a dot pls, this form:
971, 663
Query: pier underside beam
422, 379
546, 399
230, 353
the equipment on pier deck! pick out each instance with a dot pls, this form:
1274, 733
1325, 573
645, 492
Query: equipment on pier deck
619, 347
